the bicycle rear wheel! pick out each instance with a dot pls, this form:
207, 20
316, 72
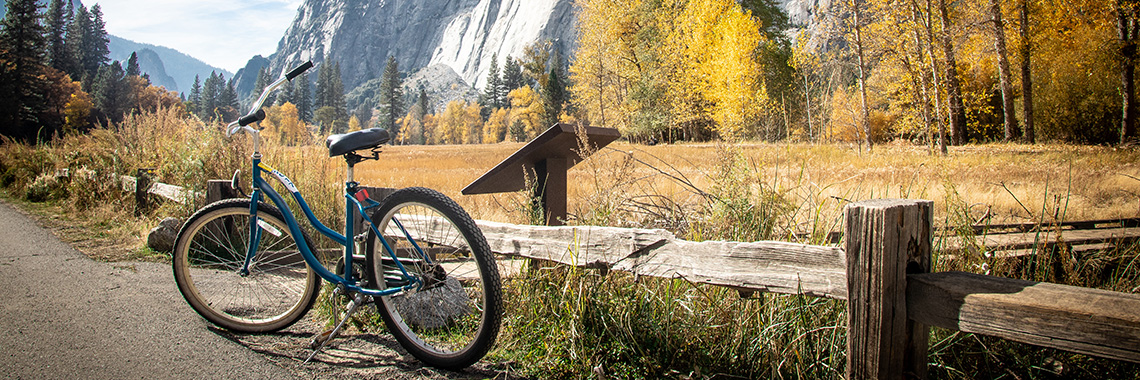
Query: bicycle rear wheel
210, 251
452, 320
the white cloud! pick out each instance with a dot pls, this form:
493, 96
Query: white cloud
223, 33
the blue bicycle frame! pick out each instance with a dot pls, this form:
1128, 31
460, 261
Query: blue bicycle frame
260, 186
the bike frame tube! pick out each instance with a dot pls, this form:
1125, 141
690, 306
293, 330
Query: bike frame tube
261, 186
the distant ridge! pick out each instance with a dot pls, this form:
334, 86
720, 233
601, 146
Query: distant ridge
178, 65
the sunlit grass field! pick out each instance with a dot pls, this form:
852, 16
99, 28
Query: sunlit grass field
1010, 183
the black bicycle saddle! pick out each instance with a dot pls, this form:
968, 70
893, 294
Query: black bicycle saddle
354, 141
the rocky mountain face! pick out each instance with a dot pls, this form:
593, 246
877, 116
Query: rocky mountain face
151, 64
462, 35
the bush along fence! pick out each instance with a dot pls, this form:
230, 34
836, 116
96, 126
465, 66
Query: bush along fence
882, 270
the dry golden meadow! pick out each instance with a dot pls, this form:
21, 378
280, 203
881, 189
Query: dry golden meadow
1013, 183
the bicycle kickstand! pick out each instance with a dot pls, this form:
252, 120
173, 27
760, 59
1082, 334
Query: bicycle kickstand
326, 337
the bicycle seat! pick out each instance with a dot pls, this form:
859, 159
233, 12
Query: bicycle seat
354, 141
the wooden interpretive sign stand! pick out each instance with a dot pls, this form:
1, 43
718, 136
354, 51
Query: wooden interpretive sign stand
548, 156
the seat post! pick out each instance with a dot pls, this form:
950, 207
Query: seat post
351, 159
350, 175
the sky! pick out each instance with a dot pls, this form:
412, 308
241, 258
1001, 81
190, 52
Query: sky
222, 33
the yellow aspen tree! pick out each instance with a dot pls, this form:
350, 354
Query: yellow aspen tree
604, 27
527, 108
472, 123
736, 86
451, 123
495, 129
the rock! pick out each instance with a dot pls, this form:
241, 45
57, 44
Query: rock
434, 308
462, 35
161, 238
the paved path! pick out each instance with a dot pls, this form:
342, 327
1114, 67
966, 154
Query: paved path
63, 315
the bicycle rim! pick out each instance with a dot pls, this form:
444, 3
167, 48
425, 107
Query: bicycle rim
279, 289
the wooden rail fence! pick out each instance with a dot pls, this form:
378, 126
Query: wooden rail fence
882, 270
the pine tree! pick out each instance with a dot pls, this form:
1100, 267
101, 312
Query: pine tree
322, 98
425, 106
194, 102
303, 97
100, 42
133, 65
512, 76
339, 103
21, 85
76, 42
211, 91
228, 105
109, 91
58, 18
553, 96
491, 98
87, 42
285, 93
263, 81
391, 98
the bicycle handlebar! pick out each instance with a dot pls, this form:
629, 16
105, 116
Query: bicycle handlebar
256, 113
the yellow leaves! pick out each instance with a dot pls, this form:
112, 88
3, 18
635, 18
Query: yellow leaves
495, 129
527, 108
282, 124
647, 66
76, 112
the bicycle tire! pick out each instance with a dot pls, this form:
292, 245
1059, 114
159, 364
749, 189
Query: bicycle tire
209, 252
453, 320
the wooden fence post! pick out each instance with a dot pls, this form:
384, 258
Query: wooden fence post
886, 239
142, 190
219, 189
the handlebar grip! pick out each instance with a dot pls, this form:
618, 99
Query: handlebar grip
252, 118
297, 71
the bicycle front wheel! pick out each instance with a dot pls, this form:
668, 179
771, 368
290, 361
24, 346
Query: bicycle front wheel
453, 318
210, 252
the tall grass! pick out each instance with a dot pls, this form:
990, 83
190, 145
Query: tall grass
563, 322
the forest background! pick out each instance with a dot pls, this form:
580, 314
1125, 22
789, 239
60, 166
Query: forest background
932, 72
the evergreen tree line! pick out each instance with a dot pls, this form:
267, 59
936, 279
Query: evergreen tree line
323, 106
520, 100
56, 77
215, 99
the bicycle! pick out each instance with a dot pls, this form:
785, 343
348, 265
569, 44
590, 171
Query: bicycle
247, 266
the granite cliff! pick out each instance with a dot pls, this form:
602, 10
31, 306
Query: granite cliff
459, 34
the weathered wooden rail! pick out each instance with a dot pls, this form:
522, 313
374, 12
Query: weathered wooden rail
883, 273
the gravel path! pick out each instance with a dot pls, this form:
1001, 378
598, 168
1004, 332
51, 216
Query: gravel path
63, 315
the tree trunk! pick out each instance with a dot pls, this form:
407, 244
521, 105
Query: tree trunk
956, 110
862, 72
922, 91
1010, 120
1026, 75
927, 18
807, 110
1127, 25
